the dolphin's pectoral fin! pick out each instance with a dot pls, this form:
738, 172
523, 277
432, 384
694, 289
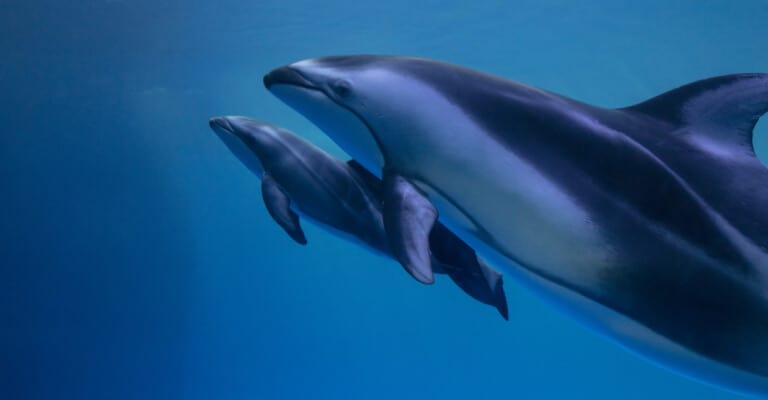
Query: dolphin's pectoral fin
279, 206
408, 220
467, 270
719, 113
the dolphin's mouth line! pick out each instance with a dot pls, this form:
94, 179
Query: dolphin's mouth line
221, 124
289, 76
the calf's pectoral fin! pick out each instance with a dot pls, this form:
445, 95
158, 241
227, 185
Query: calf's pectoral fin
408, 220
279, 206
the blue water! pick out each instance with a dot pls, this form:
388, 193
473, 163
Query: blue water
138, 262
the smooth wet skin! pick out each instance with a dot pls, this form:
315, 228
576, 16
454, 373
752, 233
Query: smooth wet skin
301, 179
647, 223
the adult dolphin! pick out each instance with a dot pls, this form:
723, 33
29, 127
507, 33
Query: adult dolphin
297, 177
648, 223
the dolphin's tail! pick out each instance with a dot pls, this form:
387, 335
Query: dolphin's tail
715, 114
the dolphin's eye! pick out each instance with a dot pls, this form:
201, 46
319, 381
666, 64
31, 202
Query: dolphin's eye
342, 88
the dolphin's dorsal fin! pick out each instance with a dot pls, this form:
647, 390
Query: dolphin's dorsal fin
717, 114
408, 221
279, 206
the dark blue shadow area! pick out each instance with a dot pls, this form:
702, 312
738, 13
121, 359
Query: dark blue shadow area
96, 252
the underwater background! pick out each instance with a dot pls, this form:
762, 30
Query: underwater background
137, 260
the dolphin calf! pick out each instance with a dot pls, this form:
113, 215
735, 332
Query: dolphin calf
647, 223
299, 178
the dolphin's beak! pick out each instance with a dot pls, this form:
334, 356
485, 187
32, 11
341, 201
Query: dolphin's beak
220, 125
288, 76
229, 130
